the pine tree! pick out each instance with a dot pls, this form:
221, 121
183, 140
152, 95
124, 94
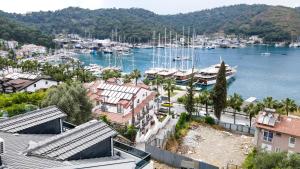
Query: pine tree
220, 92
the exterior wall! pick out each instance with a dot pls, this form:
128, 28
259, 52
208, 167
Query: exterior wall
278, 141
51, 127
41, 84
101, 149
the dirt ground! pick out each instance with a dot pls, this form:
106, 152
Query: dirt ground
214, 146
158, 165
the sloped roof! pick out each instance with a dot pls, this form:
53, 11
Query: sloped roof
30, 119
70, 143
285, 124
13, 157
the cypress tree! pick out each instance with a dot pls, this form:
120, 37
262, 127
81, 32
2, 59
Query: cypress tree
220, 92
190, 102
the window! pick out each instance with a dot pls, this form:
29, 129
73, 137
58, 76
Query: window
119, 108
292, 141
34, 85
46, 82
268, 136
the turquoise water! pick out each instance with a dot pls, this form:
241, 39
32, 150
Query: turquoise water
277, 75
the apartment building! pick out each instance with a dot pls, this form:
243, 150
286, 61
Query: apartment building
277, 133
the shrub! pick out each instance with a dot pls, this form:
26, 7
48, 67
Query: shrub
209, 120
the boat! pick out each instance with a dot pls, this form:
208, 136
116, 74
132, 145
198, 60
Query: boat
183, 76
107, 51
178, 58
151, 73
166, 73
208, 76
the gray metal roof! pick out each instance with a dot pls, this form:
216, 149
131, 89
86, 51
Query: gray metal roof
16, 144
30, 119
67, 144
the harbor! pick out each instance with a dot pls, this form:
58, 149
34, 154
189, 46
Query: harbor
274, 75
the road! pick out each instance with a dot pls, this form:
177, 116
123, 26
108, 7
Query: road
225, 117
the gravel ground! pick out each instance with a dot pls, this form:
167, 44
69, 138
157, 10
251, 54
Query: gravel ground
215, 147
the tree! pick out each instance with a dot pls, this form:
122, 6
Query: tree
271, 160
220, 92
169, 87
70, 98
127, 78
110, 74
268, 102
136, 74
289, 105
251, 110
235, 102
205, 98
190, 100
157, 81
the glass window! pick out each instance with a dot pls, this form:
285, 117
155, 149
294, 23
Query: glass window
292, 141
46, 82
34, 85
268, 136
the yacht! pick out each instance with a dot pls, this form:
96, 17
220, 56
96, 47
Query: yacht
183, 76
151, 73
208, 76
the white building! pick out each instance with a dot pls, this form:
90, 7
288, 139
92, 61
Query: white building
21, 82
116, 102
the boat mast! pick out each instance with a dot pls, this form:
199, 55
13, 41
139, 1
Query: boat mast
176, 49
158, 52
182, 49
170, 54
153, 52
193, 47
165, 64
188, 51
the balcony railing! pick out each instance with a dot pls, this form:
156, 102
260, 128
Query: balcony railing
143, 156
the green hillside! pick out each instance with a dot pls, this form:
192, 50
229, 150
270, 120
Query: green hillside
274, 23
10, 30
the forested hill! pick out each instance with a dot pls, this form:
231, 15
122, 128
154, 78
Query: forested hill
11, 30
274, 23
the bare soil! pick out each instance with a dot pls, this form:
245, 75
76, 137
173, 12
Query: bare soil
215, 146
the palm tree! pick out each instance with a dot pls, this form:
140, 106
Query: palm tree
235, 103
289, 105
252, 110
205, 98
157, 81
268, 102
170, 87
136, 74
127, 78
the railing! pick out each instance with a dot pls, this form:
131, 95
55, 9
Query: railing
145, 157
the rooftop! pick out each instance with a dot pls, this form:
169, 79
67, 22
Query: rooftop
279, 123
33, 118
71, 142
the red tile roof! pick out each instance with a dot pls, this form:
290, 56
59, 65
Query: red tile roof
119, 118
286, 124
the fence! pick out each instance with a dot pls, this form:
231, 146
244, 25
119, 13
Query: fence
239, 128
176, 160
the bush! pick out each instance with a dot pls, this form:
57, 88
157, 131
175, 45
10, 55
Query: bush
181, 100
209, 120
181, 125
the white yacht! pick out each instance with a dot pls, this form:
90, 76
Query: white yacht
208, 76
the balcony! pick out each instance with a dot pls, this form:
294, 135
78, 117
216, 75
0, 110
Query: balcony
143, 157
